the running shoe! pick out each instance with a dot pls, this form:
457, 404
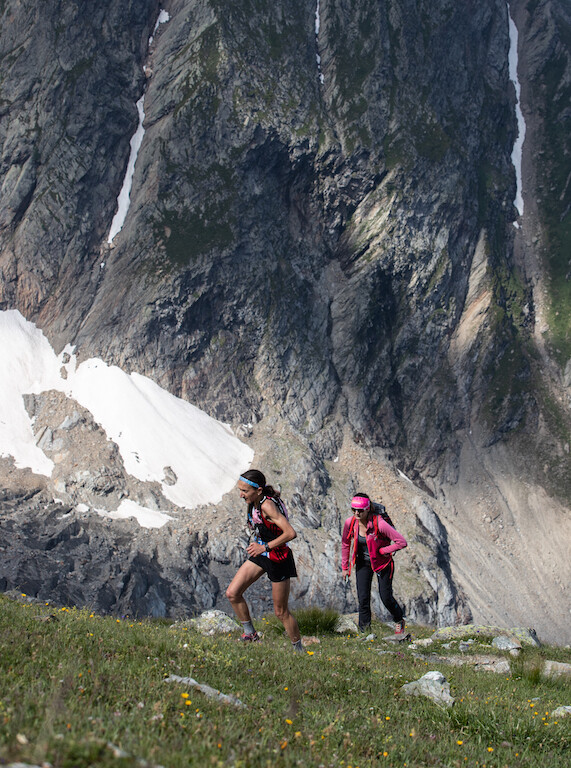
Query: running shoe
253, 637
399, 627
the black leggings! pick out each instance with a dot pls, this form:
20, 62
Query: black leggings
364, 577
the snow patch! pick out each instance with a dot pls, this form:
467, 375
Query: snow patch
317, 28
153, 429
162, 18
124, 199
517, 151
404, 477
147, 518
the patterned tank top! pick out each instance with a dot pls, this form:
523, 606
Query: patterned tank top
266, 531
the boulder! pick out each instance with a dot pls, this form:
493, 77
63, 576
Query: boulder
433, 685
214, 623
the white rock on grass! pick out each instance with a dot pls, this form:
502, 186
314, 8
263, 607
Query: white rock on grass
207, 690
433, 685
346, 626
556, 669
463, 631
505, 643
214, 623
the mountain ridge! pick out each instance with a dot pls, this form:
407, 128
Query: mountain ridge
325, 253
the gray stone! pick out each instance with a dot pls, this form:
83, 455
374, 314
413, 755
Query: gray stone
433, 685
207, 690
556, 669
214, 622
345, 625
479, 661
424, 642
478, 631
505, 643
397, 639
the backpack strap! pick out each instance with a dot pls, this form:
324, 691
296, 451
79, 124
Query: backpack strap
277, 501
382, 511
280, 504
352, 527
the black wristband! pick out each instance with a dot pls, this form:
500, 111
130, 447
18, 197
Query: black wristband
267, 548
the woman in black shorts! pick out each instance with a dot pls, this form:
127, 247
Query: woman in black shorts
268, 553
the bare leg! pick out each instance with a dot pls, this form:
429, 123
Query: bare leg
247, 574
280, 595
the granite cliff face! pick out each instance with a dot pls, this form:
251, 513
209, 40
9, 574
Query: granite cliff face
320, 244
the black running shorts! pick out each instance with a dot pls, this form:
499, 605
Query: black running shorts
277, 570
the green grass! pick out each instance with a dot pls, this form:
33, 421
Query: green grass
74, 682
311, 621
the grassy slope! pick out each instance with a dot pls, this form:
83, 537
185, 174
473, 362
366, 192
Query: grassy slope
72, 681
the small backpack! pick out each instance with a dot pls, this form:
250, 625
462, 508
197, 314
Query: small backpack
278, 501
280, 504
378, 509
381, 510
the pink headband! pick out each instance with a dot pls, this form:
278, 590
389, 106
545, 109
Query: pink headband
359, 502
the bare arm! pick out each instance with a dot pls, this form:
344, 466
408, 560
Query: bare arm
272, 513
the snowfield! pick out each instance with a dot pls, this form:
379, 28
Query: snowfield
152, 428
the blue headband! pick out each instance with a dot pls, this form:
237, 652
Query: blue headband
250, 482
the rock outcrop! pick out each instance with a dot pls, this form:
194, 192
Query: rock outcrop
320, 243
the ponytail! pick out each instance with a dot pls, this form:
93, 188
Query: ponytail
258, 480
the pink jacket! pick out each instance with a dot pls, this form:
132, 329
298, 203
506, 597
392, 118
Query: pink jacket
379, 537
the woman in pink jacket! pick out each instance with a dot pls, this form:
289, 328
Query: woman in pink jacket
368, 542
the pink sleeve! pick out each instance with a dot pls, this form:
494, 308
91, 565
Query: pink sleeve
345, 545
398, 540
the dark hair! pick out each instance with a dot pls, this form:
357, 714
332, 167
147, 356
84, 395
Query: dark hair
362, 495
258, 477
